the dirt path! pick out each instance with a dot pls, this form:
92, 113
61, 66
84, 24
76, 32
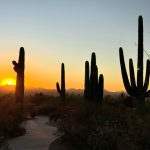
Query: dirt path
38, 137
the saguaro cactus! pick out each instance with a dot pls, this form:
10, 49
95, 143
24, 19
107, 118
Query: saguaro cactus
139, 89
93, 87
19, 69
101, 87
87, 81
62, 90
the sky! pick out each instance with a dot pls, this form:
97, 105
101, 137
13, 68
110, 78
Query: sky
56, 31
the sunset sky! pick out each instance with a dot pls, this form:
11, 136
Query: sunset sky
55, 31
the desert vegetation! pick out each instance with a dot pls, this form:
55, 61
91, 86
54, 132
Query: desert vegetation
9, 120
62, 90
110, 126
92, 120
118, 123
137, 89
94, 86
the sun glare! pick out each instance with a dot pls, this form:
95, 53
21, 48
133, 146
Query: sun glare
8, 81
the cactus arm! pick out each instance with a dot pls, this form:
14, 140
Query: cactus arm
86, 82
15, 65
58, 88
128, 88
21, 56
101, 87
95, 84
96, 73
147, 75
93, 59
140, 54
19, 67
132, 75
14, 62
63, 78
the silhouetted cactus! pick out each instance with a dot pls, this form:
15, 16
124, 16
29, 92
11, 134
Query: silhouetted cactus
62, 90
139, 89
93, 87
19, 69
87, 81
101, 88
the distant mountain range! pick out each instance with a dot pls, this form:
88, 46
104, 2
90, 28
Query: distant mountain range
30, 91
7, 89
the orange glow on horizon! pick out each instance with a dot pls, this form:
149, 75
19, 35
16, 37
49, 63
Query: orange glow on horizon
8, 81
47, 78
51, 84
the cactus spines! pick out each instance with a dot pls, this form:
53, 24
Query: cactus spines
139, 89
19, 69
62, 90
93, 86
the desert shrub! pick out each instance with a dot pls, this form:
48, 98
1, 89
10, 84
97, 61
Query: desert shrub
40, 104
74, 99
129, 101
40, 98
59, 110
91, 127
113, 100
10, 118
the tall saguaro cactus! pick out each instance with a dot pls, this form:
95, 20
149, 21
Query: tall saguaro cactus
62, 90
133, 88
19, 69
94, 87
87, 81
